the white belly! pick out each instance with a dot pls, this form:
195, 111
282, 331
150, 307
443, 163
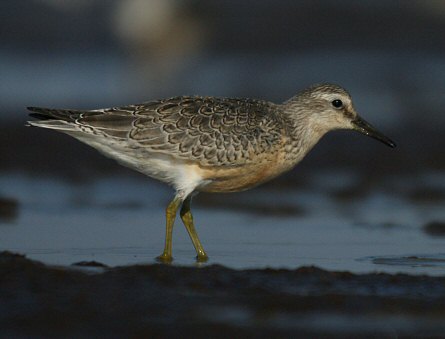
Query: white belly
185, 178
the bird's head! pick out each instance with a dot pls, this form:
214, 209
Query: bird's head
330, 107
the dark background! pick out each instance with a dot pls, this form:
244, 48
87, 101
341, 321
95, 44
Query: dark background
92, 54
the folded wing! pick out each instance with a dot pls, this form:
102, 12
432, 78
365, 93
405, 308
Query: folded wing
212, 131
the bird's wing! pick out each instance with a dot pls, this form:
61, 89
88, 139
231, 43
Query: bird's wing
212, 131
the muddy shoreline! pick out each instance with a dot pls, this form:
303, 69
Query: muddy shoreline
166, 301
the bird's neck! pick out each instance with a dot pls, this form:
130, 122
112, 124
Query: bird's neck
303, 134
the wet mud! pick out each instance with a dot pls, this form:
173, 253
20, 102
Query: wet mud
435, 228
8, 209
214, 301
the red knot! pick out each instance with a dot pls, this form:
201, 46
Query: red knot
210, 144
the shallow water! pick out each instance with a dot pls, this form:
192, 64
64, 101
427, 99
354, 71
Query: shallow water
332, 222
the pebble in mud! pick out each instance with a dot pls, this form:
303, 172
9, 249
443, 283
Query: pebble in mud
89, 264
435, 228
8, 209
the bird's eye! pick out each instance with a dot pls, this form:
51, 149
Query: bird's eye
337, 103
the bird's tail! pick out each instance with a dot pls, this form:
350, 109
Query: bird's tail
60, 119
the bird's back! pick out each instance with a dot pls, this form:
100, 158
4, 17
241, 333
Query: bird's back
206, 130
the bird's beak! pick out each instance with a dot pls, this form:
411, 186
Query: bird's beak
362, 126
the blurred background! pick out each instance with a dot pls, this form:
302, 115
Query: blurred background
91, 54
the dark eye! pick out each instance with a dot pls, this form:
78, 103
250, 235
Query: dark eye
337, 103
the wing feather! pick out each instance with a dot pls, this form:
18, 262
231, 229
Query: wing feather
211, 131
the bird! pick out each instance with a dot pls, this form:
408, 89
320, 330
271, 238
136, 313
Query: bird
210, 144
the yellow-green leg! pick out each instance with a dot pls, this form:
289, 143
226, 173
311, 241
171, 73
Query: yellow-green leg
187, 219
170, 214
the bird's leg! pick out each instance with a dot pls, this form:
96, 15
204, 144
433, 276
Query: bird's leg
187, 219
170, 214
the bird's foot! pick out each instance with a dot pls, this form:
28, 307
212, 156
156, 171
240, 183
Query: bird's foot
201, 258
164, 258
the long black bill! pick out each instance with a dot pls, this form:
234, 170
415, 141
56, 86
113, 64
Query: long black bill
364, 127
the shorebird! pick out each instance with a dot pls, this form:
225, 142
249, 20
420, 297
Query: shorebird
210, 144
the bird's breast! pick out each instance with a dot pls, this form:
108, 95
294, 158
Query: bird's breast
243, 177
